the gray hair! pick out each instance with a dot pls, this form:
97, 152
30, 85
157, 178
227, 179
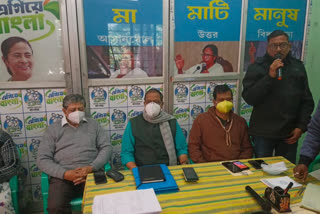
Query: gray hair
73, 98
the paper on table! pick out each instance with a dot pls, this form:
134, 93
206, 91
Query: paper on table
316, 174
274, 169
310, 198
280, 181
137, 201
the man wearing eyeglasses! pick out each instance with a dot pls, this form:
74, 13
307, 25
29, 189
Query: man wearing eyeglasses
153, 137
282, 107
208, 64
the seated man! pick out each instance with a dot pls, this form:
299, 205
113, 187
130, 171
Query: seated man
153, 137
310, 148
219, 134
71, 148
9, 166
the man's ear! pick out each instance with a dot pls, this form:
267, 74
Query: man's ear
64, 111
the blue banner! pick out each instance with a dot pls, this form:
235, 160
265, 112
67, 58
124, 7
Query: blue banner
123, 22
265, 16
207, 20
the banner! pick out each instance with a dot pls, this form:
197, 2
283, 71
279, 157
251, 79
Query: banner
28, 29
203, 43
123, 38
265, 16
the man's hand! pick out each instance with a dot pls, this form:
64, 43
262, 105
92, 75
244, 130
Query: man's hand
83, 172
295, 135
274, 67
183, 159
252, 52
78, 176
131, 165
72, 175
301, 172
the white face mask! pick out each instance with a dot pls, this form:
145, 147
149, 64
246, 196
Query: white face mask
76, 116
153, 109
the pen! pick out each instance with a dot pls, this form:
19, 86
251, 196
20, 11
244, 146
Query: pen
302, 191
288, 187
299, 191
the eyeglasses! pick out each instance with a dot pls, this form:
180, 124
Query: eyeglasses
282, 46
206, 55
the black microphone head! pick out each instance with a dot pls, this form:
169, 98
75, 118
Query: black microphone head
198, 67
278, 56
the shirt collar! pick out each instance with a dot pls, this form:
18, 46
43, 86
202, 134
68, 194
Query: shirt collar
64, 121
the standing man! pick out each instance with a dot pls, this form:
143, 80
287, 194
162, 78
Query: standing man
281, 107
219, 134
153, 137
71, 149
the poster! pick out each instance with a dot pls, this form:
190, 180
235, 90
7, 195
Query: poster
123, 38
265, 16
203, 43
25, 114
28, 28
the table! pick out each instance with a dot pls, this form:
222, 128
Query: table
217, 191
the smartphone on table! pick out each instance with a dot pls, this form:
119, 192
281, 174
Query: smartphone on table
241, 165
190, 174
100, 177
257, 163
231, 167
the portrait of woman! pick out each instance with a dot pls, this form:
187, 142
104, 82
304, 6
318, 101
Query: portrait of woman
17, 55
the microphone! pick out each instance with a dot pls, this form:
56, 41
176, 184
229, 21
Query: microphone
197, 69
265, 206
279, 71
204, 67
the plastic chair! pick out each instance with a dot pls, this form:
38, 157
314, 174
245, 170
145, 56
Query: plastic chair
314, 163
14, 187
76, 203
14, 192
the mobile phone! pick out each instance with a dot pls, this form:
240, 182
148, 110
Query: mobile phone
115, 175
100, 177
189, 174
241, 165
256, 163
231, 167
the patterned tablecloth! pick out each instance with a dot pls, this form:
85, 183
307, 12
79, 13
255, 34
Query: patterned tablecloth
217, 191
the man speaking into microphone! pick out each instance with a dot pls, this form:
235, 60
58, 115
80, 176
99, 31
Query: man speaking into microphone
276, 85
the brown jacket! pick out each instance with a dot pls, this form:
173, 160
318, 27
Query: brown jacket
208, 140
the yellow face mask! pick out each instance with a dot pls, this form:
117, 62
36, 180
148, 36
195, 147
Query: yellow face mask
224, 106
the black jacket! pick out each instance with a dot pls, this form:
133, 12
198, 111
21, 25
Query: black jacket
279, 106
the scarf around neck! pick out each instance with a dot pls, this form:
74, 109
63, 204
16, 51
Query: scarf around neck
166, 134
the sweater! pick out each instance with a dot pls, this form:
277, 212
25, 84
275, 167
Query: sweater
207, 140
